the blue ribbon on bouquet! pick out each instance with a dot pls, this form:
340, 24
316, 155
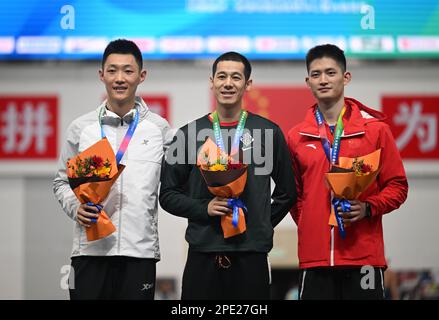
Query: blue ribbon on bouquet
345, 207
236, 203
98, 206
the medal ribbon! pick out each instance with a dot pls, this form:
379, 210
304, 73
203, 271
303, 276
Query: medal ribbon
126, 140
239, 130
234, 203
333, 159
332, 156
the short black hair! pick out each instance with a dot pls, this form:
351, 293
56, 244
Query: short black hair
328, 51
123, 46
234, 56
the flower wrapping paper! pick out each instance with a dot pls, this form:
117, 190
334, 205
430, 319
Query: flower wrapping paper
227, 184
93, 188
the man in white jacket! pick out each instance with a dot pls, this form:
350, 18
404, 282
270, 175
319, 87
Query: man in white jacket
123, 264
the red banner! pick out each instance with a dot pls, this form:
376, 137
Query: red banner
284, 105
28, 127
413, 121
158, 104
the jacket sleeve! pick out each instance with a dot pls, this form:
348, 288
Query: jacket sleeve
296, 210
284, 194
392, 180
174, 182
61, 188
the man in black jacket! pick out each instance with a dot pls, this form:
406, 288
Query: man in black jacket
236, 267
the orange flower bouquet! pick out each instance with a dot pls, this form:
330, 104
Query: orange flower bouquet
349, 180
225, 177
91, 174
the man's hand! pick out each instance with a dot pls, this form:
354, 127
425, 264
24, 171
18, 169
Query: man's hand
218, 207
358, 212
84, 216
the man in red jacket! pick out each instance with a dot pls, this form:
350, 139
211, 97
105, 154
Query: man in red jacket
336, 265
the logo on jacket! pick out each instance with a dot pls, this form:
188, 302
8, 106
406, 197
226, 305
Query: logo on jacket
145, 142
147, 286
247, 140
312, 145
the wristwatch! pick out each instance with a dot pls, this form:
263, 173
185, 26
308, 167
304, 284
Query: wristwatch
368, 211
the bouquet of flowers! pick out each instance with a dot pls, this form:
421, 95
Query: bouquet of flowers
92, 166
360, 168
225, 177
91, 174
349, 180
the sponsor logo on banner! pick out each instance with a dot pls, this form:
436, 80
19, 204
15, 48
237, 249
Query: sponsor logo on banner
414, 124
28, 127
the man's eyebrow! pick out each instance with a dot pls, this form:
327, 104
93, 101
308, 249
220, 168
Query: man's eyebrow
319, 70
119, 65
232, 73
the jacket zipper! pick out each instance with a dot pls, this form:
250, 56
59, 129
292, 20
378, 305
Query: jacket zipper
331, 258
120, 209
120, 215
331, 253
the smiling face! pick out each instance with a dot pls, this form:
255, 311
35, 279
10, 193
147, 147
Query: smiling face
121, 75
327, 80
229, 84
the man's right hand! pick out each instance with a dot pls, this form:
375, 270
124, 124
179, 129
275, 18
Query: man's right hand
83, 216
218, 207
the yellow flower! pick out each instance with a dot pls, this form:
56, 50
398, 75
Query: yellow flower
217, 167
103, 171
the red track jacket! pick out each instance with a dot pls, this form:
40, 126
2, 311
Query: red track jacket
319, 244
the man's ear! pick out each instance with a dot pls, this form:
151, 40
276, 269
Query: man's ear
143, 74
307, 82
347, 77
101, 74
211, 83
249, 85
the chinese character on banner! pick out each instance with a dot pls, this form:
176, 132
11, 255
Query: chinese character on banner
158, 104
28, 127
284, 105
413, 121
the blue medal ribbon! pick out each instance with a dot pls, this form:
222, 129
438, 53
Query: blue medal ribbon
332, 155
129, 134
345, 207
322, 131
236, 203
98, 206
123, 146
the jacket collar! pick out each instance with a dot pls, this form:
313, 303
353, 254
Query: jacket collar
355, 118
111, 118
